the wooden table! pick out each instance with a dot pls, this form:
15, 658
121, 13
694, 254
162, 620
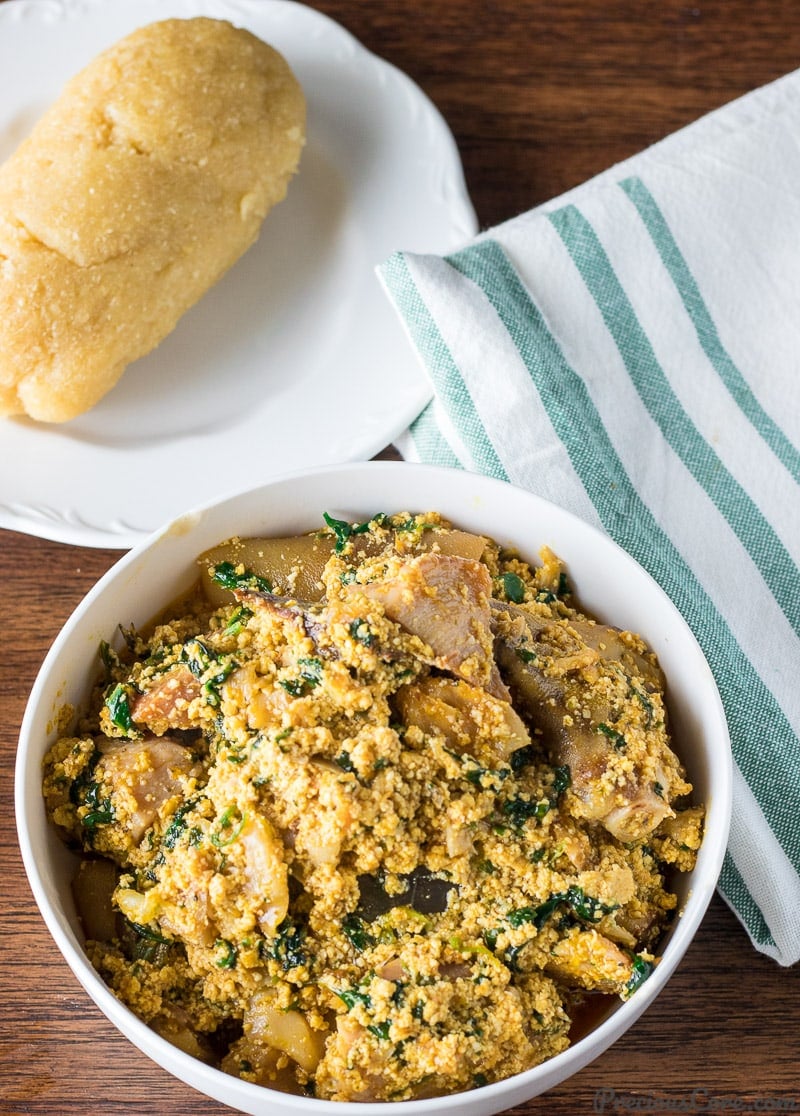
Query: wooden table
540, 96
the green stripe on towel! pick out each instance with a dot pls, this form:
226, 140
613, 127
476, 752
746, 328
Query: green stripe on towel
735, 891
707, 332
745, 518
442, 368
430, 443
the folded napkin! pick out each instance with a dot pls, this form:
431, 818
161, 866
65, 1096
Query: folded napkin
631, 351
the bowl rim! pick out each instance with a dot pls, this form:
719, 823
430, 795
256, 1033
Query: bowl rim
498, 1095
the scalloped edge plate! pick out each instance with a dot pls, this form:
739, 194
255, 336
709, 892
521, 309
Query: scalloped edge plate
295, 358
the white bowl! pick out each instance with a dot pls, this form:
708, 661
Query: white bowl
609, 583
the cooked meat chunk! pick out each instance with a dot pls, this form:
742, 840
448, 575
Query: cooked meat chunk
593, 696
445, 601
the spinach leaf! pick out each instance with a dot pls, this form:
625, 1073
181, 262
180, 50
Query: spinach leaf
353, 996
355, 930
513, 587
230, 577
616, 738
641, 970
287, 947
519, 810
562, 780
584, 907
522, 758
343, 760
101, 812
238, 621
361, 631
344, 530
118, 704
201, 661
227, 954
310, 676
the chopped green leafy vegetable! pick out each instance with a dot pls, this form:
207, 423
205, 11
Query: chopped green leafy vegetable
519, 810
117, 703
641, 970
230, 577
353, 996
616, 738
310, 676
484, 778
562, 779
547, 596
355, 930
237, 621
148, 932
513, 587
522, 758
380, 1030
201, 661
231, 824
196, 656
226, 958
108, 657
343, 530
361, 631
583, 906
287, 947
177, 824
645, 702
101, 812
310, 670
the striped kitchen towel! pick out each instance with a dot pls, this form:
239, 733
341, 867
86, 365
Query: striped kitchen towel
631, 351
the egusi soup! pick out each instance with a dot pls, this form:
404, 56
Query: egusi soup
375, 812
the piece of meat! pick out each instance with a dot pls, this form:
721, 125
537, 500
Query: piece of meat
610, 645
266, 876
310, 617
445, 601
268, 1024
558, 678
470, 719
585, 958
143, 775
165, 704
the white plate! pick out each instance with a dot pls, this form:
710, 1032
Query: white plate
296, 357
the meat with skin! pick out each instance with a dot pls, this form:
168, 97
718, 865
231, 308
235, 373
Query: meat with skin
165, 705
310, 615
445, 601
587, 959
148, 773
469, 719
583, 687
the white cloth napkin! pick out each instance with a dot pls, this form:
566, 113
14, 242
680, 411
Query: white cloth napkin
631, 351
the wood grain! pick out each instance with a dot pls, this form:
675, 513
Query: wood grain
540, 96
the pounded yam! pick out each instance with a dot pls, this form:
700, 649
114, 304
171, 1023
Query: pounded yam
143, 183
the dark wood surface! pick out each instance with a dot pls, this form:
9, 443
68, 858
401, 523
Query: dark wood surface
540, 96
